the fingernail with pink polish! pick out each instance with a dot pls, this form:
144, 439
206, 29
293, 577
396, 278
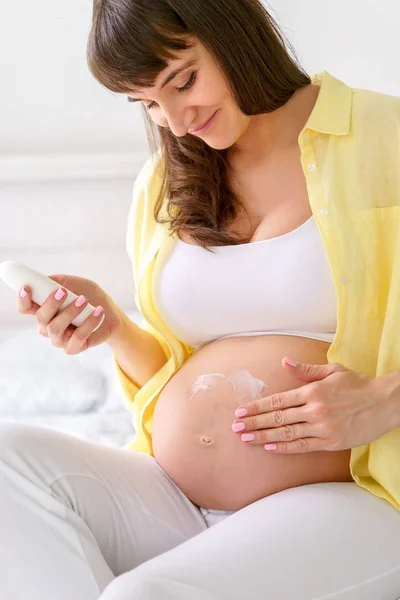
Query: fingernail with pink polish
80, 302
291, 362
236, 427
59, 294
241, 412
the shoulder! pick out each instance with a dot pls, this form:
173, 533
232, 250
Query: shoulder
146, 189
150, 174
375, 109
375, 129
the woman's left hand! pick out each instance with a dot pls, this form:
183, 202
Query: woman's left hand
339, 409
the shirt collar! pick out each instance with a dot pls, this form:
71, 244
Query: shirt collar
331, 115
332, 111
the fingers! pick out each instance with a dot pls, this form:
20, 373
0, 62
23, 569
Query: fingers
277, 418
278, 401
58, 327
78, 341
290, 433
62, 335
25, 304
311, 444
49, 309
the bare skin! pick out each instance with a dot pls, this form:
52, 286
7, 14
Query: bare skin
193, 441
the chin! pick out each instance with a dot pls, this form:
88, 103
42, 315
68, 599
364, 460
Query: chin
220, 143
218, 146
223, 142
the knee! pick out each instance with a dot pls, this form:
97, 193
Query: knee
129, 586
16, 439
139, 584
11, 435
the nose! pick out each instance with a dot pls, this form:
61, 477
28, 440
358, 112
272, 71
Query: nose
176, 121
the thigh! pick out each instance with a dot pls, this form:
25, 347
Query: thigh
329, 540
129, 504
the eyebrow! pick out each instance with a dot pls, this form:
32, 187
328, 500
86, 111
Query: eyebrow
170, 77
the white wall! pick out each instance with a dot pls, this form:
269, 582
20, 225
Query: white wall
69, 153
73, 226
49, 100
68, 146
355, 40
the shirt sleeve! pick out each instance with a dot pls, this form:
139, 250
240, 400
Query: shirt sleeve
137, 237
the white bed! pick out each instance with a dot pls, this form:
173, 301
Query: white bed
79, 395
75, 208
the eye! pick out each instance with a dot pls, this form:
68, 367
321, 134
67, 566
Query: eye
150, 106
187, 86
189, 83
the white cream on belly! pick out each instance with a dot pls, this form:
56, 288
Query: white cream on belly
210, 387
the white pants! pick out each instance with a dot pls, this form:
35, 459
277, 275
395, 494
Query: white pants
79, 521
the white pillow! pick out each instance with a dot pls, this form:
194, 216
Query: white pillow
52, 389
36, 377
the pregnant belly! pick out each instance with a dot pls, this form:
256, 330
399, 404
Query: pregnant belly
192, 436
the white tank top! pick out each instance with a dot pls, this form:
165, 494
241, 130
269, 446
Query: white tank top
281, 285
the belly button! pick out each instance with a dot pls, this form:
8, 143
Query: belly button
206, 439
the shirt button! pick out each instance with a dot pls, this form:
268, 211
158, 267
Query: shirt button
312, 168
345, 280
324, 211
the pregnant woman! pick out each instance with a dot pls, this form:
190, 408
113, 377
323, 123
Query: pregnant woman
265, 227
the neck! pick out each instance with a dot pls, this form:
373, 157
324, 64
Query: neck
271, 133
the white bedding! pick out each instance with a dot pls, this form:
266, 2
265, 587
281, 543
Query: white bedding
79, 395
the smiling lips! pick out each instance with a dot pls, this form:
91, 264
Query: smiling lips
201, 126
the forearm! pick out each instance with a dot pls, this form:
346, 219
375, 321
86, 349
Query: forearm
389, 388
137, 352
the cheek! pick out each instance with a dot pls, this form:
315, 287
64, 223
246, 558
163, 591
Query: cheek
210, 92
159, 120
232, 121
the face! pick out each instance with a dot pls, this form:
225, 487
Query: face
199, 92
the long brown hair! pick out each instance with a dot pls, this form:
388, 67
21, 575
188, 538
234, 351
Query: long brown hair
131, 42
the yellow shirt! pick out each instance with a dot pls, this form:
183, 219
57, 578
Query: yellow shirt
350, 154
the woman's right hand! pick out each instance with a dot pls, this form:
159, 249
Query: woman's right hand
73, 340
